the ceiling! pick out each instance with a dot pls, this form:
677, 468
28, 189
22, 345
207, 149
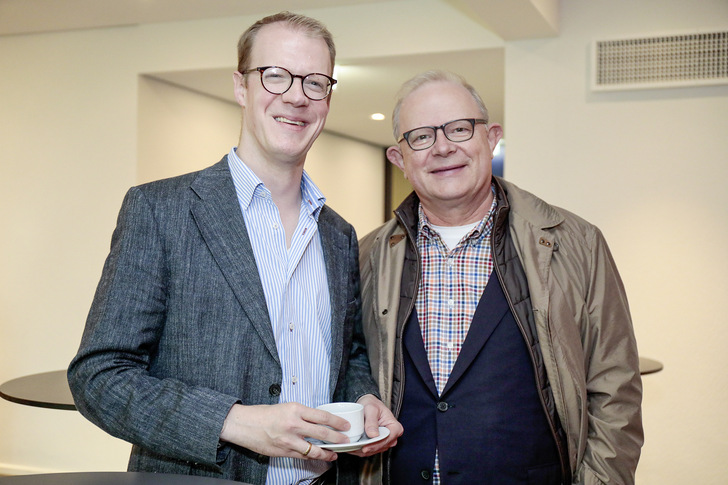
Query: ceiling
369, 77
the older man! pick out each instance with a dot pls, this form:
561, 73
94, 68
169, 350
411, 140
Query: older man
497, 324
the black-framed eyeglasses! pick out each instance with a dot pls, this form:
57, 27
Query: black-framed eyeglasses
278, 80
424, 137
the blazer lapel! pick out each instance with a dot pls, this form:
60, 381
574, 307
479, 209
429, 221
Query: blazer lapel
336, 252
415, 347
222, 226
486, 319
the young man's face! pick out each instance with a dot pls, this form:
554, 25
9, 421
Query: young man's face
280, 129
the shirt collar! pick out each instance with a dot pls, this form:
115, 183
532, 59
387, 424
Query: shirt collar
312, 196
483, 227
248, 185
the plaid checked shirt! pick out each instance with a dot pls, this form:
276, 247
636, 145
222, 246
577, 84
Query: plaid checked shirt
450, 290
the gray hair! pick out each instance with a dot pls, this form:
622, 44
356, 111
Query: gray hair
426, 77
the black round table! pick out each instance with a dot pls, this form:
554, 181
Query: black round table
112, 478
45, 390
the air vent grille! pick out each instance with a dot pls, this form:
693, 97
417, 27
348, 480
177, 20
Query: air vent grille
664, 61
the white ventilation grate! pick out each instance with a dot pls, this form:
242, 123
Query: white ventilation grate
694, 59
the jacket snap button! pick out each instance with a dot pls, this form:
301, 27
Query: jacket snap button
442, 406
425, 474
544, 242
275, 390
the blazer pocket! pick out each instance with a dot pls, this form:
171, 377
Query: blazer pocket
545, 475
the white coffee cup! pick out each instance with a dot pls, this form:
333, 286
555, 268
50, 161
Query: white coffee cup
352, 412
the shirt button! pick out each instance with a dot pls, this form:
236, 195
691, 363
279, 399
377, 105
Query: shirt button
275, 226
294, 379
451, 303
291, 326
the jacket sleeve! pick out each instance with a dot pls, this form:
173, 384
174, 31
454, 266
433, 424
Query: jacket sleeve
359, 377
613, 384
110, 376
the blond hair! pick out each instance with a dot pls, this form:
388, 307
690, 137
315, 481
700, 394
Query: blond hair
308, 25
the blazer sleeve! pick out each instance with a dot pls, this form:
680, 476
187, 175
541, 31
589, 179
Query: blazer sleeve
110, 376
359, 377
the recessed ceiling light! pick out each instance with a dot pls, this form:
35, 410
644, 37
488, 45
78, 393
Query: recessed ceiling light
377, 117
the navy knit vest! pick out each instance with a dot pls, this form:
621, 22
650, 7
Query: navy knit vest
489, 424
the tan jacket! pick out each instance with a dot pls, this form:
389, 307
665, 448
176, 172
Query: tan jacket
581, 319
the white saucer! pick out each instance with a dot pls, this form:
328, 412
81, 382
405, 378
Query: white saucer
344, 447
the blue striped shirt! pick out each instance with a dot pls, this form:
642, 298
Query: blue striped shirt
297, 295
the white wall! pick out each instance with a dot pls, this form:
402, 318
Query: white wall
351, 176
67, 152
180, 131
651, 169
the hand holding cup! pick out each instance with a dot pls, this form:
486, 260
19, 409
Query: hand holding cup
353, 413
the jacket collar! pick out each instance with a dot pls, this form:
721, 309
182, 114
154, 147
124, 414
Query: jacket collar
525, 205
407, 214
511, 198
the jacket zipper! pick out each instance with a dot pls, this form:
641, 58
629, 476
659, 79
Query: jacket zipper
565, 471
400, 347
400, 335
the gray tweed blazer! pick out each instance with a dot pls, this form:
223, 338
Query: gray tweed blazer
179, 331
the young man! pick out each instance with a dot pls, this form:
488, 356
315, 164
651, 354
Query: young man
229, 307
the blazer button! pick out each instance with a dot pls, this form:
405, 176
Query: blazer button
442, 406
275, 390
425, 474
262, 459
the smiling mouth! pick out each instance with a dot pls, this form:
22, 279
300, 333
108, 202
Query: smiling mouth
281, 119
447, 169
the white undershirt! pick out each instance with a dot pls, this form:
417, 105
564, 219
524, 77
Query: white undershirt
451, 235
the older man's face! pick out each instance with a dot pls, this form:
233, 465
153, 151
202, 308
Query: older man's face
448, 174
